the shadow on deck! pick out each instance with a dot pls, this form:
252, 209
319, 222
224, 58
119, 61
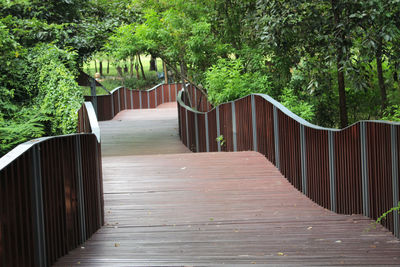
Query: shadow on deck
164, 206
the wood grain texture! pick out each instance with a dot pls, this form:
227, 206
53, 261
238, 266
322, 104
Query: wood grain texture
206, 209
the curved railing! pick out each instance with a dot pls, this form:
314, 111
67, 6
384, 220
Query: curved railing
51, 195
351, 171
121, 98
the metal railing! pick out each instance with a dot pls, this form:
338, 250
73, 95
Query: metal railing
350, 171
51, 195
121, 98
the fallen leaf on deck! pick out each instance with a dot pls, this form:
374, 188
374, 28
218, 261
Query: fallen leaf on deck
309, 228
280, 254
116, 245
338, 241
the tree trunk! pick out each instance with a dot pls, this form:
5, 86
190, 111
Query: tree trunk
165, 72
131, 72
108, 66
153, 64
339, 65
380, 75
101, 68
141, 67
137, 69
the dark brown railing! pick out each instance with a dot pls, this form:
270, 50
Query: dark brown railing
51, 196
350, 171
107, 106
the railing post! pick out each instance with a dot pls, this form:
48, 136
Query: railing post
99, 180
126, 106
155, 97
80, 194
276, 138
196, 126
234, 126
218, 127
195, 96
364, 169
169, 92
119, 100
148, 99
93, 93
303, 159
332, 178
131, 98
112, 105
395, 178
37, 209
176, 90
162, 94
207, 137
140, 99
254, 123
187, 129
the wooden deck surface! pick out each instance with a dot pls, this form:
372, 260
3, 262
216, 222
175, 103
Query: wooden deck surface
206, 209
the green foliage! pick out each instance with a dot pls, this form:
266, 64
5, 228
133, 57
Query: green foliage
301, 108
384, 215
220, 140
227, 81
133, 83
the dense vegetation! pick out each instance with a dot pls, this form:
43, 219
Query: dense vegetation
42, 46
332, 62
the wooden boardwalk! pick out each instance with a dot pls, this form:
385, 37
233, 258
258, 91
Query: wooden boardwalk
166, 207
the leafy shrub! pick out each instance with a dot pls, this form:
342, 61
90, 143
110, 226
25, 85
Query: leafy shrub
227, 81
133, 83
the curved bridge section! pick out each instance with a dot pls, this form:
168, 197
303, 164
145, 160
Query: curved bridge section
350, 171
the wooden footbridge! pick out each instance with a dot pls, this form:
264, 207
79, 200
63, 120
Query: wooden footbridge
276, 191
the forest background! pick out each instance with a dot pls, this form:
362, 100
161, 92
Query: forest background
331, 62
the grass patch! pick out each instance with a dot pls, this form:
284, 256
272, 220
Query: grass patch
112, 80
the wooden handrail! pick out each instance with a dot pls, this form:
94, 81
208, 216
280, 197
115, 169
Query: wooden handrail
352, 171
51, 197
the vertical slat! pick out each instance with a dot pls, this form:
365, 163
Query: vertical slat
187, 129
155, 97
79, 184
276, 137
148, 99
254, 122
234, 127
131, 93
169, 92
218, 128
332, 178
364, 170
207, 137
126, 107
303, 160
162, 94
119, 101
395, 178
112, 106
196, 128
37, 207
140, 99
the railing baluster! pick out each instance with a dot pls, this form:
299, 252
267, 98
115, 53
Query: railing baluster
169, 92
254, 123
155, 97
148, 99
119, 101
303, 159
131, 93
395, 178
207, 137
234, 126
218, 127
80, 194
276, 138
126, 107
364, 169
140, 99
187, 129
37, 209
196, 126
162, 94
332, 178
